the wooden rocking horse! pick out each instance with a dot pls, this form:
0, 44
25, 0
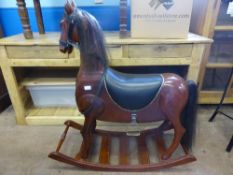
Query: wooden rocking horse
108, 95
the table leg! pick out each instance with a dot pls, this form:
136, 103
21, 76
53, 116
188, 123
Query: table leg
22, 10
217, 110
230, 145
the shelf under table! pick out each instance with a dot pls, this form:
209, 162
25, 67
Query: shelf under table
52, 116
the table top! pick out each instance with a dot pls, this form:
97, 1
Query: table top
111, 38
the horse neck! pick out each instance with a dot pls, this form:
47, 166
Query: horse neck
93, 55
90, 64
92, 47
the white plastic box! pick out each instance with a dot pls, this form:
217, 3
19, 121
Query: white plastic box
53, 96
160, 18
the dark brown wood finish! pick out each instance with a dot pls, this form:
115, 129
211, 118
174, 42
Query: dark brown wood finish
104, 156
123, 151
123, 165
23, 13
143, 153
97, 104
133, 168
160, 145
62, 139
39, 17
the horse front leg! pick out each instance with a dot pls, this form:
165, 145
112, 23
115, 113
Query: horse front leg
87, 135
92, 107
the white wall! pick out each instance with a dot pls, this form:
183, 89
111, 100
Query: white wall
56, 3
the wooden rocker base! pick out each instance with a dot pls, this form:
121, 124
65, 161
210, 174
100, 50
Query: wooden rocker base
144, 157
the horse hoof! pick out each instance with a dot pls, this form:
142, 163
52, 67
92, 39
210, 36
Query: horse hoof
165, 157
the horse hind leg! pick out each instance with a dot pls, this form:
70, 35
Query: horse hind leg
178, 133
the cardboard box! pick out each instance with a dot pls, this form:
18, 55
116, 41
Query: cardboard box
160, 18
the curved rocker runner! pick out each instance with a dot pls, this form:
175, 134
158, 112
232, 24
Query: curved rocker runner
101, 94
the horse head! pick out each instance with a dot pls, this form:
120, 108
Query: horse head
81, 30
68, 36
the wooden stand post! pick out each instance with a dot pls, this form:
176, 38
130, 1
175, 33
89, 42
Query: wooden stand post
123, 19
22, 10
1, 32
4, 96
39, 18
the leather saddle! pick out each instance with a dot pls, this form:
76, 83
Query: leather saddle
132, 91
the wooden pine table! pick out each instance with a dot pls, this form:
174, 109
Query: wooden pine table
18, 53
4, 97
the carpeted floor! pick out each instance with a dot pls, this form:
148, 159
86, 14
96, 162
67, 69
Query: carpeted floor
24, 149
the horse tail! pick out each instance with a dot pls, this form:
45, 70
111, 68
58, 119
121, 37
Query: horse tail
188, 118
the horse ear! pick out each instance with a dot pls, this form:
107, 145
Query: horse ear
69, 8
73, 4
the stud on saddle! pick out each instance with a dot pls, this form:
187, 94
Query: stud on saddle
107, 95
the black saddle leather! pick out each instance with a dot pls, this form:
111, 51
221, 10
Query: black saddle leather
132, 91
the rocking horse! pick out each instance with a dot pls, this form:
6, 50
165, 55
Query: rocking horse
105, 94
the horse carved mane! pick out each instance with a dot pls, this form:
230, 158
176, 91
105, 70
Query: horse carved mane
92, 44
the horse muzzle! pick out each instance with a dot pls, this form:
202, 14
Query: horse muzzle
65, 47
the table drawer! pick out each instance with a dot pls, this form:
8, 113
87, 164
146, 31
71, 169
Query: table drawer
39, 52
114, 51
160, 51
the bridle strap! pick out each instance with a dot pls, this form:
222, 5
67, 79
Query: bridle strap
70, 31
69, 41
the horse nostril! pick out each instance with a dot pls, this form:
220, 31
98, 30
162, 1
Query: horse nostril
63, 49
